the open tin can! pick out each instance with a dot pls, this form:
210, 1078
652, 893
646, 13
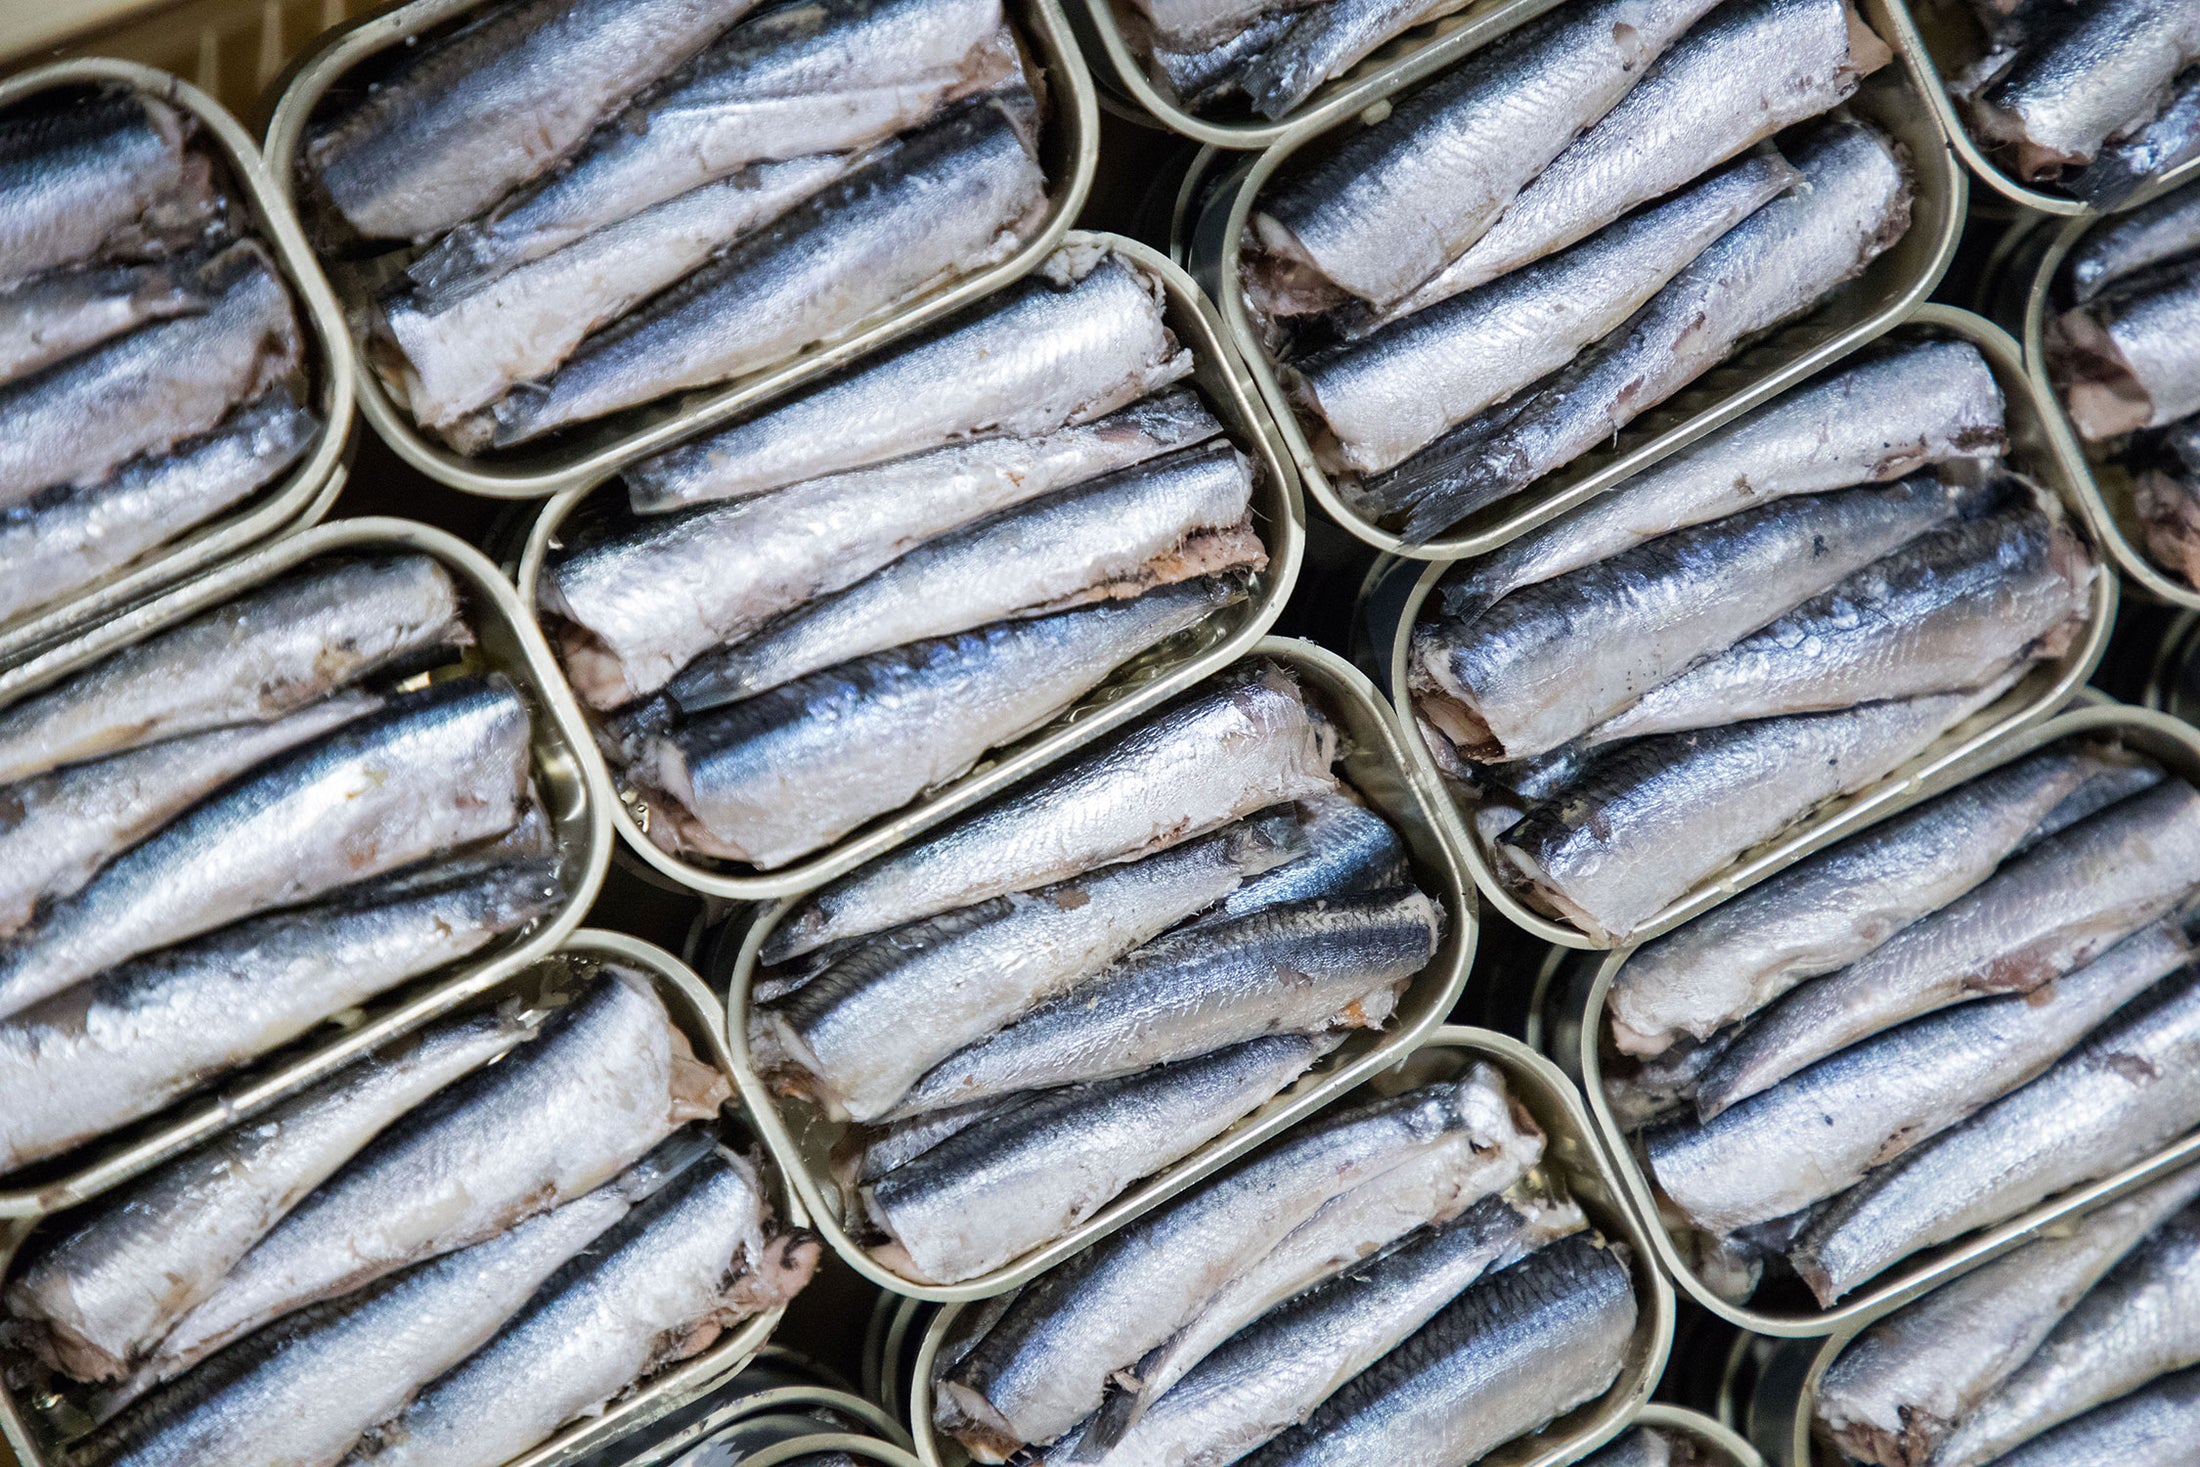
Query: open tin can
1069, 151
1571, 1157
31, 1425
1395, 593
295, 499
1131, 690
1885, 294
565, 769
1571, 1023
1374, 763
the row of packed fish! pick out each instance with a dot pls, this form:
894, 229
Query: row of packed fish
1558, 235
1245, 59
569, 208
1925, 1030
2092, 98
441, 1255
2124, 352
1115, 964
1398, 1282
153, 369
2075, 1350
1638, 692
805, 621
223, 834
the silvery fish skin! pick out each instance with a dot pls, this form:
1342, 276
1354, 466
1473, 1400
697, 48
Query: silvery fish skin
1213, 758
1169, 520
1327, 41
1047, 1363
2168, 509
1187, 25
432, 771
1349, 849
844, 1037
2140, 1322
154, 388
1654, 817
1898, 1390
1742, 75
1020, 1179
2111, 69
772, 779
1515, 1351
1921, 405
2121, 247
874, 1151
104, 1289
690, 1263
1296, 969
1204, 75
1554, 660
138, 1036
1648, 1090
2127, 164
1405, 197
1283, 1366
64, 541
111, 176
792, 83
1081, 338
2128, 1090
641, 605
1783, 260
1820, 1130
448, 357
267, 653
958, 197
557, 1118
2158, 1423
51, 318
502, 99
1383, 399
2042, 914
1834, 907
2128, 361
1950, 610
58, 829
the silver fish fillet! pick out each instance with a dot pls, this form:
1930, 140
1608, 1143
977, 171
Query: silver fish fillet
1656, 816
2128, 1090
1328, 40
1554, 660
2121, 247
432, 771
154, 388
557, 1118
2112, 68
1298, 969
1742, 75
138, 1036
1349, 849
1213, 758
1186, 25
106, 1287
267, 653
2131, 359
955, 198
1082, 337
114, 175
1204, 75
1518, 1349
2158, 1424
51, 318
871, 1152
2130, 162
845, 1038
831, 77
1921, 405
506, 96
67, 540
772, 779
1896, 1392
1834, 907
1018, 1180
1174, 519
1404, 198
1383, 399
2051, 909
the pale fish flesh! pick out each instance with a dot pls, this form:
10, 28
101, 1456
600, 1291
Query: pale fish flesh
51, 318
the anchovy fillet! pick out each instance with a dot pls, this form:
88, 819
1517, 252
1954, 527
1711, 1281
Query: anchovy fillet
1349, 849
2121, 247
115, 175
54, 317
2128, 163
2111, 68
1328, 40
2157, 1424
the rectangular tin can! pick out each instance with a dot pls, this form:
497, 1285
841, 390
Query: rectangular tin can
1069, 152
1375, 765
1128, 693
567, 772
